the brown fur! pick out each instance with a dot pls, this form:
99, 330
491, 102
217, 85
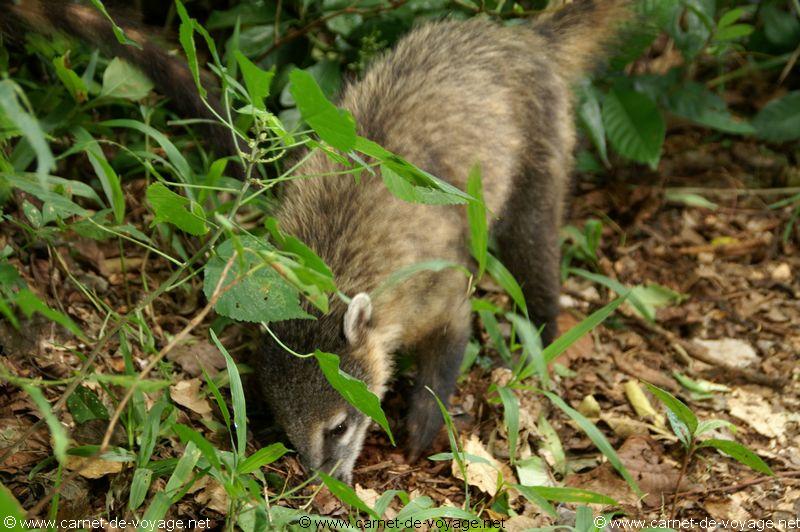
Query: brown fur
451, 94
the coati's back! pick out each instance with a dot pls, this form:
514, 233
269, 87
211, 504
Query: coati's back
451, 94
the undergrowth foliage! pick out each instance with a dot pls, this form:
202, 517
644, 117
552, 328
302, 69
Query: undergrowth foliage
63, 106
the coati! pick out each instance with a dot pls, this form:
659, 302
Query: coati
452, 94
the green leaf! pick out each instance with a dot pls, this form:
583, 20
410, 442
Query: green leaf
74, 84
560, 344
476, 216
412, 192
84, 405
237, 397
676, 406
346, 494
30, 128
63, 206
504, 278
690, 199
334, 126
123, 80
353, 390
118, 32
592, 119
510, 418
57, 431
140, 484
712, 424
532, 347
262, 457
261, 294
256, 80
634, 125
11, 510
209, 452
740, 453
174, 155
180, 478
537, 499
108, 177
695, 102
779, 120
171, 207
29, 304
186, 38
597, 438
653, 297
567, 495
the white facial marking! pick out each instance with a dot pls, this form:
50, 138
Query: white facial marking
358, 314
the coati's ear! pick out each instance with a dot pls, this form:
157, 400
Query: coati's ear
357, 317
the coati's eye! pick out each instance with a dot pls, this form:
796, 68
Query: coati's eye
339, 429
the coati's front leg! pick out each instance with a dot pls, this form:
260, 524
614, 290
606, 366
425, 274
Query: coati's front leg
438, 358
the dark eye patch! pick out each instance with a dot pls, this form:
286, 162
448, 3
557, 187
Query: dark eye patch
339, 429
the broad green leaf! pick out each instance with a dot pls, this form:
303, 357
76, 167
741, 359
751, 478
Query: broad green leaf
262, 457
430, 188
74, 84
334, 126
353, 390
123, 80
150, 431
560, 344
11, 510
118, 32
346, 494
568, 495
139, 487
537, 499
592, 119
676, 406
634, 125
476, 216
237, 397
256, 80
30, 128
695, 102
57, 430
740, 453
84, 405
261, 294
510, 418
712, 424
171, 207
779, 120
411, 192
108, 177
597, 438
29, 304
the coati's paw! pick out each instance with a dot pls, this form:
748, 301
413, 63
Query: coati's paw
422, 426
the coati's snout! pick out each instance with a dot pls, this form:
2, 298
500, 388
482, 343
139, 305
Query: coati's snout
323, 428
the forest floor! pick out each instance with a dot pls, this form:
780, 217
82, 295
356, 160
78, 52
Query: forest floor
737, 325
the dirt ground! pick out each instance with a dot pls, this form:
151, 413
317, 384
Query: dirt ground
738, 325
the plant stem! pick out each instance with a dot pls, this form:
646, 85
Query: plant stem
686, 458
